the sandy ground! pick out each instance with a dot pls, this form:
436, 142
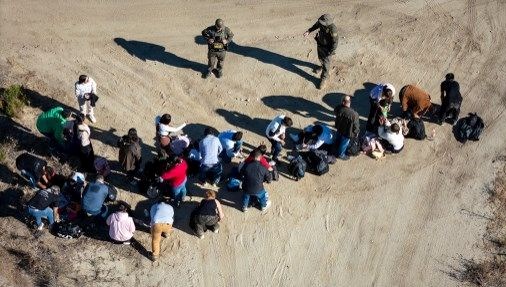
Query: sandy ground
400, 221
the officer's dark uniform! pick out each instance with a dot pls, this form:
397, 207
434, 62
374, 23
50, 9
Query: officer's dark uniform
217, 50
326, 40
451, 99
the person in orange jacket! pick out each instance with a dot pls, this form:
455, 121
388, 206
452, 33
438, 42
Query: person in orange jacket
414, 101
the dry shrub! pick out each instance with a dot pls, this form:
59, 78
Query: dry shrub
490, 271
12, 101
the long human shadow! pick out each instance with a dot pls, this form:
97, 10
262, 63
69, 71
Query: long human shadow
287, 63
245, 122
149, 51
299, 106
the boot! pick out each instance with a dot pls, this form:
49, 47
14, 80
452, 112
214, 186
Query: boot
317, 70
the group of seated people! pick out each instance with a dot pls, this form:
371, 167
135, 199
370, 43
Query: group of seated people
166, 176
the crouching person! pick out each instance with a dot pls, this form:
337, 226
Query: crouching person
391, 137
44, 204
207, 215
162, 218
121, 225
94, 198
254, 175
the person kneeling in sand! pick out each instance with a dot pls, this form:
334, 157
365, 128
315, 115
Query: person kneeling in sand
162, 218
391, 136
121, 225
207, 215
254, 176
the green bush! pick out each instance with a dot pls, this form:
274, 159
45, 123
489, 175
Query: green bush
12, 101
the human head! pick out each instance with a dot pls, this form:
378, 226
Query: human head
383, 103
164, 199
219, 24
83, 79
262, 148
123, 206
165, 119
209, 131
132, 134
450, 77
66, 113
79, 119
287, 122
316, 131
100, 178
387, 92
210, 194
256, 154
237, 136
395, 128
347, 101
49, 171
326, 19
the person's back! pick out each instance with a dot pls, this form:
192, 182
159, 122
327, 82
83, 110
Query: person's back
121, 226
254, 176
392, 135
210, 147
162, 212
226, 139
51, 123
414, 99
451, 89
346, 121
94, 197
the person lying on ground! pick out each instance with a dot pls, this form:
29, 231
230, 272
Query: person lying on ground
121, 225
254, 175
44, 204
207, 215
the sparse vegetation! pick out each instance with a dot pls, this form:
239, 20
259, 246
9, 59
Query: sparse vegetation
491, 270
12, 101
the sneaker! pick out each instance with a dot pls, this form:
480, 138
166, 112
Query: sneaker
201, 236
245, 209
219, 74
41, 226
344, 157
217, 230
153, 258
92, 118
207, 74
267, 205
126, 243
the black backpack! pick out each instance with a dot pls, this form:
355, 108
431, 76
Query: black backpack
317, 161
416, 129
297, 167
354, 147
469, 128
67, 230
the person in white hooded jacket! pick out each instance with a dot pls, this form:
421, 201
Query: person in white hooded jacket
121, 225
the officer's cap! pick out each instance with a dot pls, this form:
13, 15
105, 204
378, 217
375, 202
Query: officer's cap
326, 19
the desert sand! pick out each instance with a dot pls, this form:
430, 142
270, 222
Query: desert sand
401, 221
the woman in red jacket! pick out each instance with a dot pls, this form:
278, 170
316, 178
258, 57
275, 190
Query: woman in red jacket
176, 177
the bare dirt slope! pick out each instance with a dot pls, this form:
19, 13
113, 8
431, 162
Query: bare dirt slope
395, 222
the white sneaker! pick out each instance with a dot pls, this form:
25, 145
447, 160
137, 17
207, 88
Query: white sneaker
41, 226
92, 118
217, 230
266, 206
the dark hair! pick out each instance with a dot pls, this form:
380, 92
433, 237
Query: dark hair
387, 91
79, 119
450, 77
164, 199
288, 121
132, 134
209, 131
383, 103
395, 128
219, 23
237, 136
256, 153
66, 113
165, 119
262, 148
210, 193
49, 170
82, 79
317, 130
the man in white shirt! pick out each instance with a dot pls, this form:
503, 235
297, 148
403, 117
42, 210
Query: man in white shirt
275, 133
86, 89
380, 91
391, 137
316, 137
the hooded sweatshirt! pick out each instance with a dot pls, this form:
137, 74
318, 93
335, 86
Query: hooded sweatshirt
121, 226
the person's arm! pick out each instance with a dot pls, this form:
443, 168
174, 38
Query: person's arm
109, 219
404, 102
356, 126
229, 35
335, 40
442, 92
312, 28
221, 215
176, 129
131, 225
170, 174
267, 176
78, 91
316, 145
56, 215
207, 35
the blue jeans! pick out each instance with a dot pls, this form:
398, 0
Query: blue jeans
213, 173
342, 143
275, 149
262, 197
39, 214
179, 192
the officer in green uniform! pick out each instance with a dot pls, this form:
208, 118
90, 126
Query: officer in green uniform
218, 37
326, 41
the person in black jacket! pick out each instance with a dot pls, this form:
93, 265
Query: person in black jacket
254, 174
451, 99
347, 126
218, 38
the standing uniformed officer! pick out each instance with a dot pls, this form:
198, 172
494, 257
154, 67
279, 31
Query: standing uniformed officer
326, 41
218, 37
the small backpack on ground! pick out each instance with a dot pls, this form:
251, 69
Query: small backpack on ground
354, 147
67, 230
317, 162
297, 167
469, 128
416, 129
